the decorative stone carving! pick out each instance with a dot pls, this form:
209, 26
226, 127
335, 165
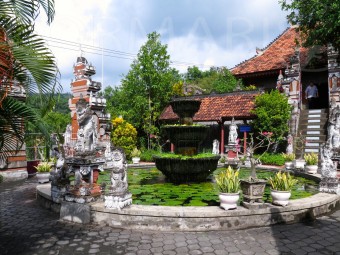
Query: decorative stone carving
333, 139
289, 149
216, 147
59, 180
87, 133
329, 183
118, 196
232, 133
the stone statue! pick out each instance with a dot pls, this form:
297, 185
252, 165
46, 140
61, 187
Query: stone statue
329, 181
87, 132
118, 195
334, 129
289, 149
59, 180
216, 147
232, 133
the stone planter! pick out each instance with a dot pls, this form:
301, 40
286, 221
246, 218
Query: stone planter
311, 169
280, 197
43, 177
135, 160
229, 200
253, 190
289, 165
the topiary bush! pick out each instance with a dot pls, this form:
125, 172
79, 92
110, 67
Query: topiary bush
124, 135
271, 159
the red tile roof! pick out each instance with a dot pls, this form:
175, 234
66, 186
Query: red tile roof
220, 106
274, 57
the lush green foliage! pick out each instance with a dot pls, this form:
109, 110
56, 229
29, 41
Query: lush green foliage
123, 135
147, 155
135, 153
311, 159
282, 181
146, 89
288, 157
318, 21
273, 113
43, 167
219, 80
228, 181
271, 159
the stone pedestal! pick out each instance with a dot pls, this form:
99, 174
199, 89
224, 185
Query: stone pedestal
118, 202
329, 185
231, 151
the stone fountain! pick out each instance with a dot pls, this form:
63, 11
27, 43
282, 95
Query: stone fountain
186, 165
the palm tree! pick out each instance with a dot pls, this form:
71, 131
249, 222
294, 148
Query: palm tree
24, 59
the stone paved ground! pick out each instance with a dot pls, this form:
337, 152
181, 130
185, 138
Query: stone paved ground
25, 228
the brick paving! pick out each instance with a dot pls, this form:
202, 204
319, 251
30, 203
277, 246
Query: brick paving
26, 228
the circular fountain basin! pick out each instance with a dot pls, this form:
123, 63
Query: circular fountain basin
185, 109
184, 170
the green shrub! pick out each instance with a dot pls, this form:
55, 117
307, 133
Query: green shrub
271, 159
311, 159
146, 155
124, 135
288, 157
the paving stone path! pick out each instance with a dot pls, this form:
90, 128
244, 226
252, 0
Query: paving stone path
26, 228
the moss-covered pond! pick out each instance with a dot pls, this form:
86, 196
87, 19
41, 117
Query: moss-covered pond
149, 187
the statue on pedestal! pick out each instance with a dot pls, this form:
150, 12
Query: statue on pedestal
232, 133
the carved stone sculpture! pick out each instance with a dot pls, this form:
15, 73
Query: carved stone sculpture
333, 140
329, 183
87, 133
59, 180
232, 133
118, 195
289, 149
216, 147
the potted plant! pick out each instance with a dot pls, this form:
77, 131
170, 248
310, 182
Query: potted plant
228, 183
253, 188
289, 158
311, 162
135, 155
43, 171
281, 186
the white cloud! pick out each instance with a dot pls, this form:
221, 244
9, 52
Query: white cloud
216, 32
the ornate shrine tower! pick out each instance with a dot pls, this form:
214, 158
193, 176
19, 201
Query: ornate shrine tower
84, 87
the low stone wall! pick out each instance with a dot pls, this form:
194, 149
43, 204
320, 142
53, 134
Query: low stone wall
172, 218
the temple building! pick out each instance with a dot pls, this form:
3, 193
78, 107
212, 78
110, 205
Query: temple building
84, 87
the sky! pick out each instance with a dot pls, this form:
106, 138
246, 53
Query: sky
204, 33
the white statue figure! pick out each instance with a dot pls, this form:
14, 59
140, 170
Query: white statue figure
87, 132
216, 147
232, 133
328, 168
289, 149
67, 135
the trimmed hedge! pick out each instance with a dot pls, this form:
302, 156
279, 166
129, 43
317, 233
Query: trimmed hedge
271, 159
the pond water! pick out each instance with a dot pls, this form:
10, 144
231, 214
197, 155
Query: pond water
149, 187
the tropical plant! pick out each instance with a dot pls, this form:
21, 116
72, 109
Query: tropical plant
24, 61
318, 21
311, 159
272, 112
146, 89
282, 181
228, 181
288, 157
135, 153
43, 167
123, 135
